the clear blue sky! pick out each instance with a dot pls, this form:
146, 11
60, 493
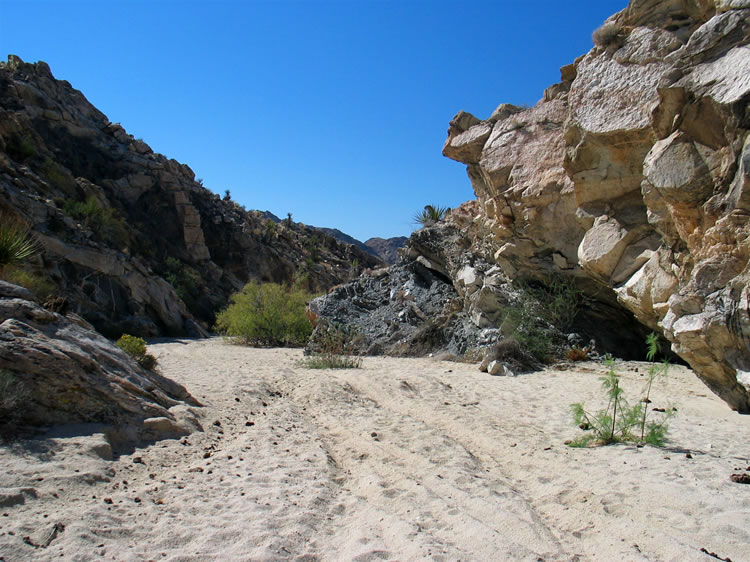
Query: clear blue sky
335, 111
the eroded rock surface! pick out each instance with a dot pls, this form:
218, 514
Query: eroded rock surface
632, 173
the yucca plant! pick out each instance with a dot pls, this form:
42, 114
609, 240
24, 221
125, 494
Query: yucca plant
16, 242
430, 215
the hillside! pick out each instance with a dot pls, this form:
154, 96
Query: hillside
131, 240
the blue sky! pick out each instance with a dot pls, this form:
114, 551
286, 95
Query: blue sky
334, 111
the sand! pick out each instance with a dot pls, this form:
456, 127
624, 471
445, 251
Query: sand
403, 459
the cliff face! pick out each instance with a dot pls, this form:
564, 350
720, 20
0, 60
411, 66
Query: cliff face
632, 175
130, 238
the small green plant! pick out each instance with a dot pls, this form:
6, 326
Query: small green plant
430, 215
620, 422
13, 394
136, 348
185, 281
335, 345
104, 221
267, 314
39, 284
16, 242
654, 433
21, 148
270, 227
543, 313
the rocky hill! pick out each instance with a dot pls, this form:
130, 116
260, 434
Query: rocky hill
131, 240
631, 180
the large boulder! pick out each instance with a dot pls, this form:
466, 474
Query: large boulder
68, 373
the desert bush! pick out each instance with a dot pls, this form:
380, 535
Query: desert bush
21, 148
267, 314
430, 215
40, 285
16, 242
13, 394
104, 221
511, 352
620, 422
543, 313
473, 355
607, 34
136, 348
184, 280
335, 346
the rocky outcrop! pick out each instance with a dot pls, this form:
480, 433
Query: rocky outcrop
408, 309
632, 174
447, 296
131, 239
68, 373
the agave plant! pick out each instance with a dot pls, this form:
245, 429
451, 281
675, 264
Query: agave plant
430, 215
16, 242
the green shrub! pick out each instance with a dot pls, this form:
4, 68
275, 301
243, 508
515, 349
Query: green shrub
335, 345
545, 311
430, 215
16, 242
21, 148
185, 281
40, 286
619, 421
104, 221
136, 348
267, 314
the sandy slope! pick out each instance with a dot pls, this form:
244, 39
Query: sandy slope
404, 459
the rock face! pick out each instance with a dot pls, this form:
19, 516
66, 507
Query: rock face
131, 239
71, 374
446, 295
632, 173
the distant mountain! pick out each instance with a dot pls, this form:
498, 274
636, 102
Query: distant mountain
386, 248
344, 237
269, 215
